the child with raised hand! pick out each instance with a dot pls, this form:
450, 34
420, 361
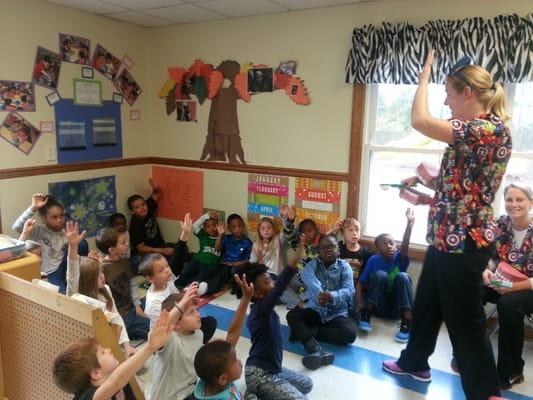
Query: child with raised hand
390, 289
86, 276
50, 237
119, 277
206, 263
216, 363
268, 247
265, 377
174, 376
236, 249
91, 372
144, 230
31, 246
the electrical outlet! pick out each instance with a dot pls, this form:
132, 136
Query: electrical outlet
50, 153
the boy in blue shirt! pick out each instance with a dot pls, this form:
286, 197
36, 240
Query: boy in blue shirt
388, 287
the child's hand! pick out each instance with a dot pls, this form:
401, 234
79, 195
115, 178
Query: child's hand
338, 224
28, 226
324, 297
213, 215
191, 293
186, 225
287, 212
160, 333
95, 255
129, 349
155, 188
410, 216
246, 288
72, 230
221, 229
38, 200
354, 263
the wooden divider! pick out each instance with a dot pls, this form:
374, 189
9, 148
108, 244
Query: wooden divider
36, 324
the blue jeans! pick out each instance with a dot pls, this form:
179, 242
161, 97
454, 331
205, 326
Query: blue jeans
59, 276
137, 327
285, 385
388, 303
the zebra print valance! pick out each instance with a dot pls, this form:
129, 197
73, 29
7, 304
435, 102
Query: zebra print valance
395, 53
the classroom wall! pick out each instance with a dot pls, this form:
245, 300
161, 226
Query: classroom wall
274, 131
26, 24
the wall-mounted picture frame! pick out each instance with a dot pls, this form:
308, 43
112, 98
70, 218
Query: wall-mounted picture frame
128, 62
87, 93
19, 132
74, 49
135, 115
117, 98
87, 72
53, 98
46, 68
17, 96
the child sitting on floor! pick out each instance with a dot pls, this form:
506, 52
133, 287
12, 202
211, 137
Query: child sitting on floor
268, 247
119, 222
206, 263
390, 290
91, 372
85, 276
174, 376
50, 237
119, 277
265, 377
294, 295
144, 231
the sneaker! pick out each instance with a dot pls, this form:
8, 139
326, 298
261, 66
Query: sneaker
402, 334
392, 367
364, 321
327, 358
202, 289
312, 361
506, 384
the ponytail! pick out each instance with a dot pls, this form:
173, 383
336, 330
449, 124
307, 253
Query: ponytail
496, 104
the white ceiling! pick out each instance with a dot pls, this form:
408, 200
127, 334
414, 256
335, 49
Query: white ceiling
154, 13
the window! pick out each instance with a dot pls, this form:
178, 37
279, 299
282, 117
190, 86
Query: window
392, 150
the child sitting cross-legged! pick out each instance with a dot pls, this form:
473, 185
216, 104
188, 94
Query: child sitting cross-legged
265, 377
119, 277
174, 376
159, 273
390, 290
85, 276
206, 263
91, 372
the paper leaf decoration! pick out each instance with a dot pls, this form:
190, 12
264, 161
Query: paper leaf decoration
167, 87
214, 83
241, 86
296, 91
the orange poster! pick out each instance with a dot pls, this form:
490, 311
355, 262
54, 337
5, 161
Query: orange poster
182, 191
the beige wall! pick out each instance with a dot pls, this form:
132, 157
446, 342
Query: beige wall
274, 130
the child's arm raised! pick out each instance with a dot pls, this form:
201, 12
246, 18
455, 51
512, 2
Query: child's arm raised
27, 229
234, 330
190, 295
156, 190
288, 216
157, 338
38, 200
221, 230
404, 247
198, 225
72, 230
335, 228
186, 227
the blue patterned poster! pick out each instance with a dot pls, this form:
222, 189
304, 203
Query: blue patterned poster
89, 201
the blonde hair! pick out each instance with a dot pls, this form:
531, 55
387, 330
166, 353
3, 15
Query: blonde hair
488, 93
88, 281
273, 245
520, 186
349, 222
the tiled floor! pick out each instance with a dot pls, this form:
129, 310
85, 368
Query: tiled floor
357, 368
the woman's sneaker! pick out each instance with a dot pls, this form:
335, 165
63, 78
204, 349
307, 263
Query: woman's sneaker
392, 367
364, 320
506, 384
402, 334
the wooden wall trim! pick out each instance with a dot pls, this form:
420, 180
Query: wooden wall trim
175, 162
356, 150
64, 168
253, 169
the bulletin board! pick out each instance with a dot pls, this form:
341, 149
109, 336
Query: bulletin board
182, 191
87, 133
